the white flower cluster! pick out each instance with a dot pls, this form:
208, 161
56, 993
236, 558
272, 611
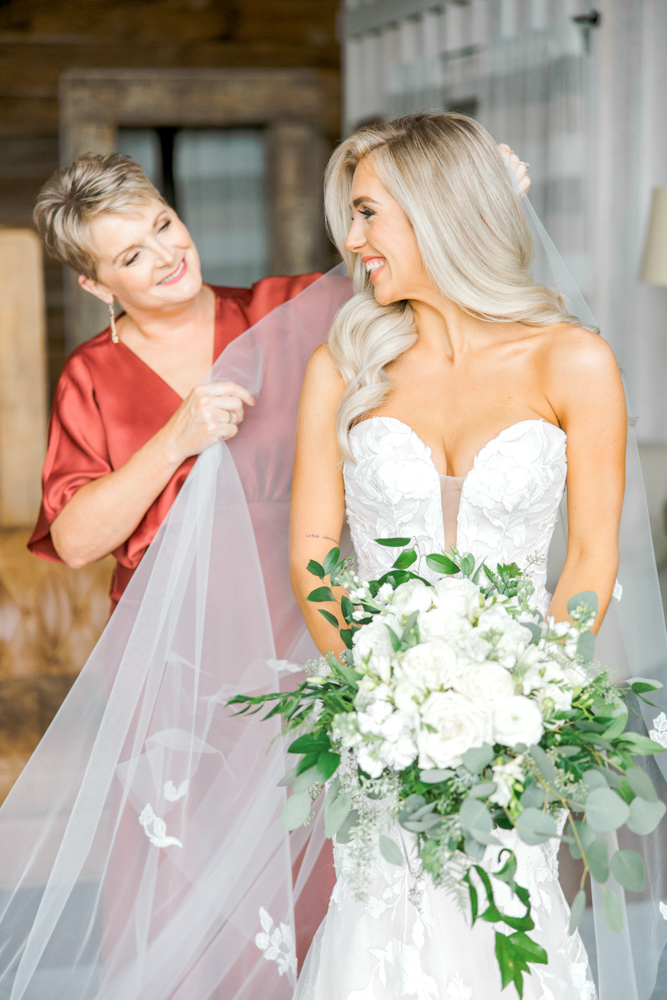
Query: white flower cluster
475, 676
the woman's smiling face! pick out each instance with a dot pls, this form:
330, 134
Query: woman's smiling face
383, 236
146, 257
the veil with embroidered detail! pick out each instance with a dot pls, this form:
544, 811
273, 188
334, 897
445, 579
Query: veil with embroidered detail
142, 855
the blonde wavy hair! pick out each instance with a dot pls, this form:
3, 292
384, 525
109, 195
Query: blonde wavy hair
445, 171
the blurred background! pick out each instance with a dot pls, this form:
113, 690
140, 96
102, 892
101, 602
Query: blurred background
232, 107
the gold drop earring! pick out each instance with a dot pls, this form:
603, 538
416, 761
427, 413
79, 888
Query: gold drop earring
112, 323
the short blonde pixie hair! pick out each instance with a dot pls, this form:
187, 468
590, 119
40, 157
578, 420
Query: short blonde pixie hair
74, 195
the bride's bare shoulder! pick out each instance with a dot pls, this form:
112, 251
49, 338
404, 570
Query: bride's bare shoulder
322, 372
573, 355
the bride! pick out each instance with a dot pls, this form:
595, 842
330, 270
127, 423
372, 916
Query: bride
453, 403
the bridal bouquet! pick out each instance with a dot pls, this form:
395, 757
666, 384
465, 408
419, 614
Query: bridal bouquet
457, 711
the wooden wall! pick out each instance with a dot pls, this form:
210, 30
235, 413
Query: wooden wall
39, 39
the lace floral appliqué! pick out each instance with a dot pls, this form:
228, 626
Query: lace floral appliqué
156, 829
277, 943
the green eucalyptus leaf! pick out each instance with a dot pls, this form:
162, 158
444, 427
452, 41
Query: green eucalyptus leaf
483, 789
644, 816
307, 778
577, 911
605, 810
586, 836
534, 630
597, 857
639, 745
434, 776
336, 812
394, 543
620, 715
390, 850
641, 784
327, 763
332, 791
344, 834
546, 768
627, 867
586, 597
586, 645
533, 796
287, 779
315, 568
321, 594
593, 779
475, 818
640, 685
613, 911
330, 560
297, 810
535, 826
467, 564
406, 558
441, 564
473, 848
529, 950
477, 758
329, 617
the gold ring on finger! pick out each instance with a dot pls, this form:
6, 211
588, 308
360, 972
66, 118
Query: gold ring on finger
230, 419
524, 164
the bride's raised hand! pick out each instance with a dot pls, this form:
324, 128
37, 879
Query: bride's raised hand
518, 166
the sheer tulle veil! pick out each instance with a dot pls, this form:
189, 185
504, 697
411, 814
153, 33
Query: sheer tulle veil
141, 851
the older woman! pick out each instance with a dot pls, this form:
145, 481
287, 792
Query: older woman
131, 410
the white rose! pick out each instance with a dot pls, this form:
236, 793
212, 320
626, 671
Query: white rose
454, 596
408, 696
517, 720
575, 675
510, 638
432, 664
458, 724
504, 776
371, 720
399, 753
540, 674
473, 647
368, 759
372, 641
485, 682
437, 623
554, 698
412, 596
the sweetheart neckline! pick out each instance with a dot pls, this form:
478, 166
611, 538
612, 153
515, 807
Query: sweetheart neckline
517, 423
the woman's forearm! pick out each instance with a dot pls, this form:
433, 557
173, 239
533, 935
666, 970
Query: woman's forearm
104, 513
585, 572
324, 635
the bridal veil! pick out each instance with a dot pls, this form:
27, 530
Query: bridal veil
142, 855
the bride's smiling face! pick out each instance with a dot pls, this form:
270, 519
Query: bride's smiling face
384, 238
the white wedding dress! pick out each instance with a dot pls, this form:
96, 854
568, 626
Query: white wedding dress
385, 947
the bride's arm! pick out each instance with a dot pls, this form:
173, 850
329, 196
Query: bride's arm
318, 497
585, 389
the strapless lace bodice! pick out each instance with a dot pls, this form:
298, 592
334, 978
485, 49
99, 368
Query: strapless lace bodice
509, 499
384, 946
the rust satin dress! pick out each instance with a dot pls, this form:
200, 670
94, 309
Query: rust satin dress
108, 404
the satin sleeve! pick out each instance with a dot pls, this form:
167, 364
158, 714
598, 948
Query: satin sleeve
77, 451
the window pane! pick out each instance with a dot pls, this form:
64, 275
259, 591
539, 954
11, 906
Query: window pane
143, 146
220, 193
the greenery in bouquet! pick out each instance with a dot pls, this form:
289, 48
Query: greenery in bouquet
457, 711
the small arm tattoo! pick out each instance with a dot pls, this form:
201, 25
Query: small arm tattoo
327, 538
